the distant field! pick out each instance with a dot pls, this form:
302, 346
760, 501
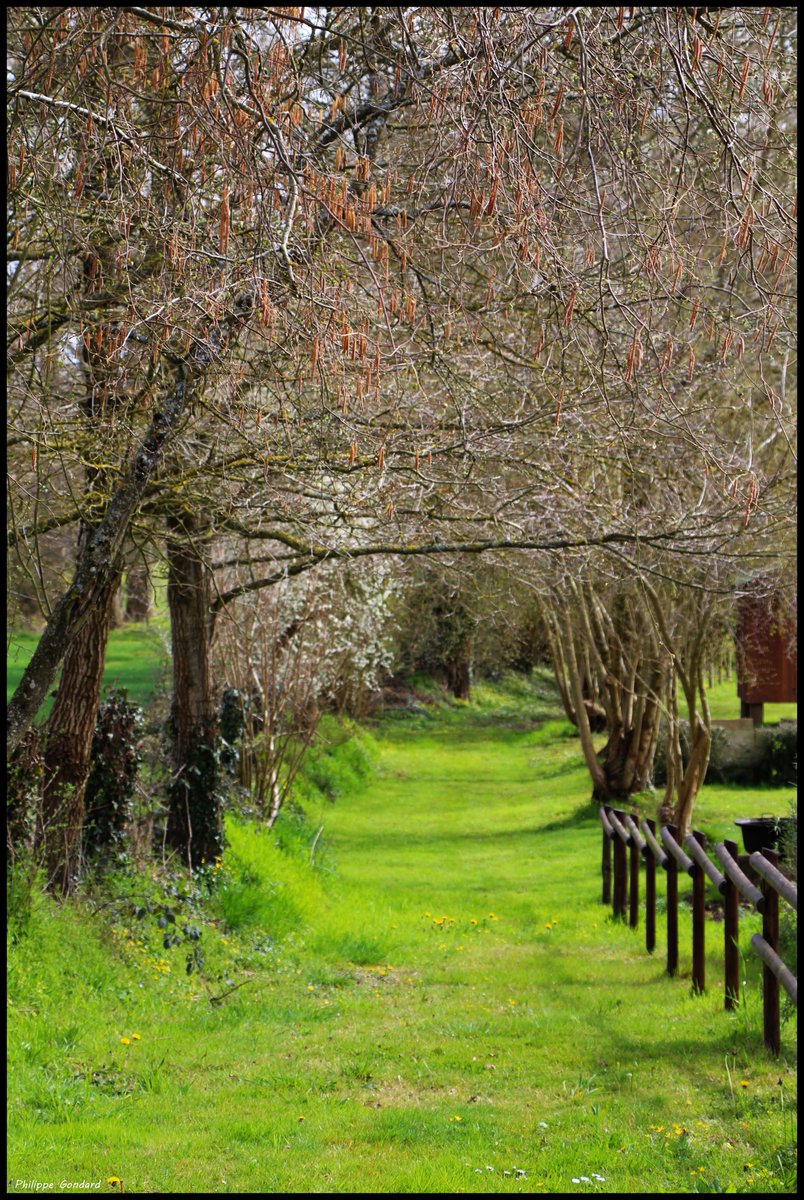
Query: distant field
724, 704
135, 658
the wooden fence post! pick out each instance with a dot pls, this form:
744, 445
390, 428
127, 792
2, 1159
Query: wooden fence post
620, 898
770, 984
606, 865
650, 895
698, 921
731, 936
633, 911
671, 866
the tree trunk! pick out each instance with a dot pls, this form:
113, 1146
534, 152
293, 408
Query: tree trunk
97, 573
138, 592
560, 670
599, 785
96, 568
194, 826
116, 617
68, 741
693, 777
632, 766
71, 725
459, 673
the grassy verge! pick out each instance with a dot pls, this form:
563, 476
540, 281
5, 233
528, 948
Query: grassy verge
724, 704
136, 659
423, 994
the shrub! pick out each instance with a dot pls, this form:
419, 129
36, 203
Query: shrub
231, 725
780, 754
23, 885
24, 780
770, 760
114, 762
788, 920
342, 760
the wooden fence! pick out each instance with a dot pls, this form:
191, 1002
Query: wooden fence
754, 877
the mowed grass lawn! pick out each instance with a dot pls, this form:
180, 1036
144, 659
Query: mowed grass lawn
442, 1004
135, 659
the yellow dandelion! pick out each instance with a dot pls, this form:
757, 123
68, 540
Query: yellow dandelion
126, 1041
136, 1037
548, 925
473, 921
113, 1180
743, 1083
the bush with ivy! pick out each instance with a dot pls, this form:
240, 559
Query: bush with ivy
114, 762
231, 726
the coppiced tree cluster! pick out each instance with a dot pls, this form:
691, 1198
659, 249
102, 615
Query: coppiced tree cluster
302, 286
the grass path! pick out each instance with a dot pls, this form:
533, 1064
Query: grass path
460, 1014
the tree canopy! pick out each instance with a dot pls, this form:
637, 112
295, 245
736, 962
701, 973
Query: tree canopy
313, 284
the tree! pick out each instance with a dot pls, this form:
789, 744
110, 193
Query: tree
604, 638
323, 639
425, 245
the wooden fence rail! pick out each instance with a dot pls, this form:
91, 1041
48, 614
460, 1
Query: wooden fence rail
626, 837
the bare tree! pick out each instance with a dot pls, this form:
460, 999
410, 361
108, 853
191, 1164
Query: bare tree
398, 281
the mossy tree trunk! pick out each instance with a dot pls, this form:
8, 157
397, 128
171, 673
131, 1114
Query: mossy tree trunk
455, 629
138, 591
194, 826
68, 741
71, 725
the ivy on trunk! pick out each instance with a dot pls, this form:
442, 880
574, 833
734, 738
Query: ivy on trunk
194, 825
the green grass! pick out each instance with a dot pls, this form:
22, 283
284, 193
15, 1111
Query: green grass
438, 1003
136, 659
724, 704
